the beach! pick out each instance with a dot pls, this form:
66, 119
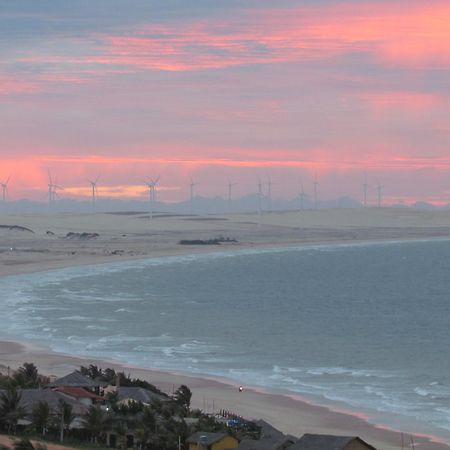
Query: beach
292, 415
100, 238
38, 242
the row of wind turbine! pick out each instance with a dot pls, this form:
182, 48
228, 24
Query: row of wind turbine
53, 188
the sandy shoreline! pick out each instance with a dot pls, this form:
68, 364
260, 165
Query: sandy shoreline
34, 243
128, 237
291, 414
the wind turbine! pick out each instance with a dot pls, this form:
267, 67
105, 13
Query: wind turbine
5, 188
316, 184
302, 197
152, 193
379, 189
51, 193
365, 190
94, 190
260, 195
269, 192
191, 192
230, 186
154, 184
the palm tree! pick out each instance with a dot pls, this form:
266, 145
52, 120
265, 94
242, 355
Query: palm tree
146, 429
148, 419
10, 411
65, 417
40, 416
142, 434
95, 422
182, 396
92, 371
27, 376
113, 398
120, 428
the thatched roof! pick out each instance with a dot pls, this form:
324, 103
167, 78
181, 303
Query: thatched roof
268, 430
327, 442
75, 379
278, 443
139, 394
31, 397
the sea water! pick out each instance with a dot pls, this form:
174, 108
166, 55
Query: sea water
366, 327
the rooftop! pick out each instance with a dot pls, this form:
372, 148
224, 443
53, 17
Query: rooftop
326, 442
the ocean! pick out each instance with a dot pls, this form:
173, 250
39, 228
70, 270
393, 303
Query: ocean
364, 327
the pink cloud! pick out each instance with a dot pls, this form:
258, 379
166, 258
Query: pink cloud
408, 101
15, 85
412, 34
395, 34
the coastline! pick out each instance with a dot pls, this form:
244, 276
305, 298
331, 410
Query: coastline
37, 243
290, 413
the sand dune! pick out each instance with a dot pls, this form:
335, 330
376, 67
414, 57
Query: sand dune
59, 240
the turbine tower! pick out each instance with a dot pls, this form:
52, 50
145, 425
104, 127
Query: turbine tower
302, 197
191, 194
260, 195
365, 190
94, 190
230, 186
269, 193
316, 184
150, 198
379, 189
51, 192
5, 189
152, 193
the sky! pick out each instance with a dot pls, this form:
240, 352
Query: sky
226, 91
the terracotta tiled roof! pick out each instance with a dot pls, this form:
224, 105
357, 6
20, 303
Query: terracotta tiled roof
78, 392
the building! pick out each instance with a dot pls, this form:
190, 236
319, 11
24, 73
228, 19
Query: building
75, 379
329, 442
84, 396
211, 441
127, 395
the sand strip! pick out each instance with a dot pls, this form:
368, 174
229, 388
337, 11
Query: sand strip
291, 415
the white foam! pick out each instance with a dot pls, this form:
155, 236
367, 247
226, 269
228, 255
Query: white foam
339, 371
76, 318
59, 276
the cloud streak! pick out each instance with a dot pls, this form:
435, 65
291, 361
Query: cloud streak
342, 86
416, 36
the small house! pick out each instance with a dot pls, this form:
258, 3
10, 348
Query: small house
127, 395
83, 396
211, 441
330, 442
